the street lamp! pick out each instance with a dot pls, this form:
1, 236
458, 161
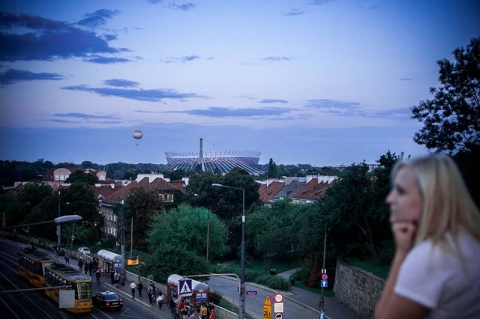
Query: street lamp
322, 300
241, 315
122, 242
59, 227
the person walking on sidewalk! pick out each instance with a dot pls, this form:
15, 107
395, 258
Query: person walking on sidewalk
139, 288
160, 300
322, 314
98, 274
133, 286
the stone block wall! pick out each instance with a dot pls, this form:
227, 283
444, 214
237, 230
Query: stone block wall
357, 289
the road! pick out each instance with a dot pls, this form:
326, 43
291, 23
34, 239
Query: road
35, 304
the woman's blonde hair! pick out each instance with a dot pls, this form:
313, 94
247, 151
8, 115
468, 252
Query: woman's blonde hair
448, 207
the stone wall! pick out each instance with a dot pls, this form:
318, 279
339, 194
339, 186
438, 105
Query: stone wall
357, 289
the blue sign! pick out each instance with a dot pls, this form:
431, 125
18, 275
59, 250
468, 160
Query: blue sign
185, 287
201, 297
323, 283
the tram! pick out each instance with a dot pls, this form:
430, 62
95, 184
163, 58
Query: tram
57, 274
200, 290
31, 265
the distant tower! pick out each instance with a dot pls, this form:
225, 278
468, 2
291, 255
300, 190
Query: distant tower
200, 157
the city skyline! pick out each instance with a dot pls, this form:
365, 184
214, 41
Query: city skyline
320, 82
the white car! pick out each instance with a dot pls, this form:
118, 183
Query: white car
84, 250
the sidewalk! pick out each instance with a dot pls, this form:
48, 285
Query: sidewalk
333, 308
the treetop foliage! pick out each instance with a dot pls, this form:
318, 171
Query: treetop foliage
452, 118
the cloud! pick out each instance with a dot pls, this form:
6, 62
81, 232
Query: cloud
83, 118
320, 2
135, 94
106, 60
294, 12
272, 101
120, 83
183, 7
174, 5
355, 109
12, 75
27, 37
276, 58
97, 18
183, 59
222, 112
86, 116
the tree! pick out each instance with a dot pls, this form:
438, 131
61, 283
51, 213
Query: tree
452, 118
81, 176
272, 169
142, 203
177, 241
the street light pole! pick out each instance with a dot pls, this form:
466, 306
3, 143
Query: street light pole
241, 314
208, 234
59, 227
122, 244
322, 300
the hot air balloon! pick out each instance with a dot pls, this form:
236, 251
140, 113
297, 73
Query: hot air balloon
137, 134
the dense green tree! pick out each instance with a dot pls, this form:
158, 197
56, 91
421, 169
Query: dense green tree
177, 241
81, 176
452, 118
140, 207
272, 169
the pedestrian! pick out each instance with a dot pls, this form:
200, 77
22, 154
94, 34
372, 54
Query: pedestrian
67, 257
149, 293
204, 311
194, 315
213, 315
160, 300
117, 279
90, 267
172, 306
139, 288
112, 275
435, 225
98, 275
322, 314
133, 286
80, 264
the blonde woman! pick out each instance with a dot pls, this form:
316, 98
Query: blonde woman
436, 225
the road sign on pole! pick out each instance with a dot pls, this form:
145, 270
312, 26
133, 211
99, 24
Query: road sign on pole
267, 308
324, 277
324, 283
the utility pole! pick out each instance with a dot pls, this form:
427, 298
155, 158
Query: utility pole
59, 227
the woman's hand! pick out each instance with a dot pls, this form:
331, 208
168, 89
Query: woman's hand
404, 233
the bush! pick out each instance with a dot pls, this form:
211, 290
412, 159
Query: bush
215, 297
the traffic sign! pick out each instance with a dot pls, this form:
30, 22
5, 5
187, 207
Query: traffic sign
279, 315
251, 292
185, 287
267, 308
278, 297
324, 277
324, 283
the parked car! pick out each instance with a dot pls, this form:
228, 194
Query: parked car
107, 300
84, 250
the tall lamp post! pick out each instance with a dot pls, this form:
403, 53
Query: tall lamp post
322, 300
122, 243
241, 314
59, 227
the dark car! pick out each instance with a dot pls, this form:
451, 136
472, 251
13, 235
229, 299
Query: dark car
107, 300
